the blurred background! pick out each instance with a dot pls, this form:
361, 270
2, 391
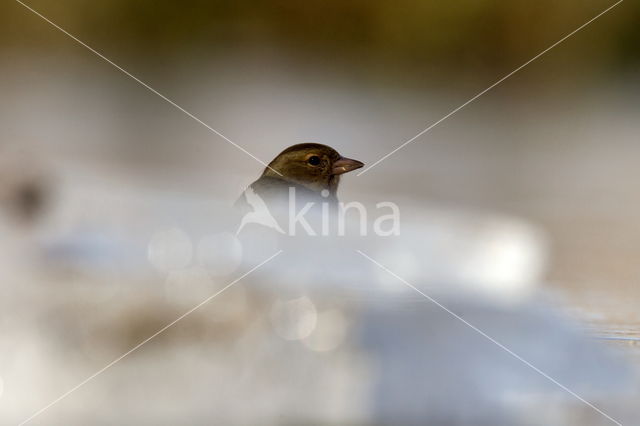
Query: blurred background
115, 206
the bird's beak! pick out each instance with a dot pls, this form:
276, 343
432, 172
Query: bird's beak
344, 165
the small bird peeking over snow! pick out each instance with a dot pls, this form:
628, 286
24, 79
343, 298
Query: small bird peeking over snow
311, 171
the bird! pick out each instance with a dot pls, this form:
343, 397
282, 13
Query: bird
312, 169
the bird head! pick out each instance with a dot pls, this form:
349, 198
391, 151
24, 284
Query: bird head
312, 165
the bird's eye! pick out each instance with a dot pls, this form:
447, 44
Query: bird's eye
314, 160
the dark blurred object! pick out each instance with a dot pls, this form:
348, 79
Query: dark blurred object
24, 188
29, 199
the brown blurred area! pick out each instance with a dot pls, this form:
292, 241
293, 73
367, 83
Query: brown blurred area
419, 41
